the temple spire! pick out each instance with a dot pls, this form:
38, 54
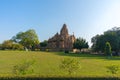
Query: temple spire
64, 30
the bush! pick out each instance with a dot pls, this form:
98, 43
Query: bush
66, 51
10, 45
58, 78
70, 65
23, 68
47, 50
7, 44
17, 47
108, 51
113, 69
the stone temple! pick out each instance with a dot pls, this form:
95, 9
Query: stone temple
62, 41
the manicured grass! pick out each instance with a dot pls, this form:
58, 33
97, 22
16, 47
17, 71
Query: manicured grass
47, 63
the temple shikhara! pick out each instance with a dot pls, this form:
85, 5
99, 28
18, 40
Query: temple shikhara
61, 41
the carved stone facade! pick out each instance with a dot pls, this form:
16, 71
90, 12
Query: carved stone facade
62, 41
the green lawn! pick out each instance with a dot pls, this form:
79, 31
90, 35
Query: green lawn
47, 63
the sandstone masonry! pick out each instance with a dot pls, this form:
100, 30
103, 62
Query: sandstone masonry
62, 41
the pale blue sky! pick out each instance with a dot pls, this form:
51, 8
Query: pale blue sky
85, 18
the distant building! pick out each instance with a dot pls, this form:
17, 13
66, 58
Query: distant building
62, 41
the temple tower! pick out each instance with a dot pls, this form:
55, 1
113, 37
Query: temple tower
64, 31
62, 41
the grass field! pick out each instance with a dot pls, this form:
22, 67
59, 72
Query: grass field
47, 63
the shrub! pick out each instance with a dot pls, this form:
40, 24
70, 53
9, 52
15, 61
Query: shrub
47, 50
108, 51
7, 44
10, 45
113, 69
70, 65
66, 51
23, 68
17, 47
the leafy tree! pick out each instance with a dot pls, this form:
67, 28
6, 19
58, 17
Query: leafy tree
44, 43
111, 36
80, 43
108, 49
0, 46
28, 39
94, 41
17, 46
9, 44
70, 65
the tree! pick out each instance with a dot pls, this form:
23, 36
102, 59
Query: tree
70, 65
28, 39
44, 43
108, 49
9, 44
112, 36
94, 41
80, 43
0, 46
17, 46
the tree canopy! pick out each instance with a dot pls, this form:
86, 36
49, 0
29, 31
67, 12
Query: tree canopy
112, 36
28, 39
80, 43
9, 44
44, 43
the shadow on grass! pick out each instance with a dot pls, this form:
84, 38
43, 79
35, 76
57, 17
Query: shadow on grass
60, 78
113, 58
87, 55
